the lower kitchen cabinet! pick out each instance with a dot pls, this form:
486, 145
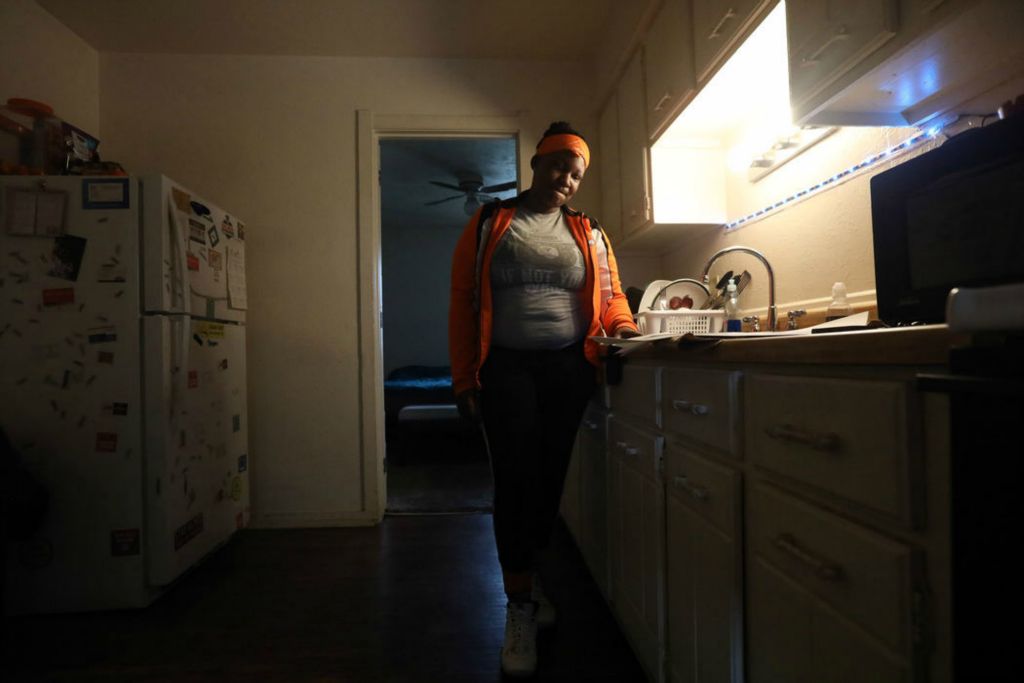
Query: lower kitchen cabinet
704, 569
639, 587
593, 495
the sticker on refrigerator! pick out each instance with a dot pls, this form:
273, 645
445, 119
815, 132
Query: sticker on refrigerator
199, 209
227, 228
241, 231
66, 260
187, 531
243, 460
125, 542
193, 261
236, 488
109, 193
102, 335
57, 297
214, 235
196, 231
216, 260
106, 442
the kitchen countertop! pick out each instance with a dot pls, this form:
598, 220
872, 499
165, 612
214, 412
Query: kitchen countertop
925, 345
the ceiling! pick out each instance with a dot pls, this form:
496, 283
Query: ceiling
475, 29
408, 165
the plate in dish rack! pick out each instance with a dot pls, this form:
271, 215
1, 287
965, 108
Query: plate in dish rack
680, 294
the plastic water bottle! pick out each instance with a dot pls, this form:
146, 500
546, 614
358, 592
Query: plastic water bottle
733, 321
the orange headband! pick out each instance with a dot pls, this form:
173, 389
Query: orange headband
573, 143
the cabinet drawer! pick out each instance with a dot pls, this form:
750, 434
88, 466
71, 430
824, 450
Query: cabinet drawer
639, 394
703, 405
710, 489
864, 576
847, 437
635, 448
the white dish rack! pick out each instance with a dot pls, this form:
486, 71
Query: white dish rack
681, 321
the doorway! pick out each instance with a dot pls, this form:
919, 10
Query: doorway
429, 188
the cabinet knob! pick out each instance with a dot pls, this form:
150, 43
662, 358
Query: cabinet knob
823, 569
696, 491
698, 409
790, 434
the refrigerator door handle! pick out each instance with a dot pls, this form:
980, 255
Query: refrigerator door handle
179, 245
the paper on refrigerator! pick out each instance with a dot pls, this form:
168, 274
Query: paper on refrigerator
236, 276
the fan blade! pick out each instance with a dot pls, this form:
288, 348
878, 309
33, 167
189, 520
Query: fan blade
442, 201
445, 185
500, 187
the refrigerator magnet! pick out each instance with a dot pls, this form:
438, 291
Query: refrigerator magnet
196, 231
223, 364
102, 335
193, 261
214, 235
227, 228
106, 442
112, 272
59, 296
108, 193
182, 199
125, 542
215, 259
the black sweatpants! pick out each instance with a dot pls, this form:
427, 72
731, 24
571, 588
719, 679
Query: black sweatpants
532, 403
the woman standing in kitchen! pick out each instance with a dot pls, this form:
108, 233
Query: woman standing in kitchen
531, 280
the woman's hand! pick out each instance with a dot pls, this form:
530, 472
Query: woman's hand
468, 403
626, 332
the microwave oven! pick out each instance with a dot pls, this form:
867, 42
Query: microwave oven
951, 217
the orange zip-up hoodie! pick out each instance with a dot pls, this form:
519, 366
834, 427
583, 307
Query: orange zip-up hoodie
470, 312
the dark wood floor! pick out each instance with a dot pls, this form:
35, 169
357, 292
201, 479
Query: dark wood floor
417, 598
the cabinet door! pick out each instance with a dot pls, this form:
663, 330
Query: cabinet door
593, 499
668, 63
716, 25
705, 614
636, 202
828, 38
793, 638
570, 505
611, 170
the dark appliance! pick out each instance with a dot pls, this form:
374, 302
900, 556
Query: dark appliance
952, 217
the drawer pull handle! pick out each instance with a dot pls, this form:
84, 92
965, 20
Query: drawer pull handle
819, 442
695, 490
698, 409
823, 569
841, 33
590, 425
716, 32
626, 448
661, 103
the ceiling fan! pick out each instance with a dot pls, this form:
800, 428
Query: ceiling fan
471, 185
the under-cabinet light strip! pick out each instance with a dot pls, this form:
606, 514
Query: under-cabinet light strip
904, 146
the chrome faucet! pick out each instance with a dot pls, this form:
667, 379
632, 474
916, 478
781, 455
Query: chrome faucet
771, 277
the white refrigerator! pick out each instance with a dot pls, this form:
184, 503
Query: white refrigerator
122, 384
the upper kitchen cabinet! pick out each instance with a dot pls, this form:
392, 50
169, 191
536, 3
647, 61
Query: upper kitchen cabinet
633, 166
611, 191
827, 38
668, 65
901, 62
717, 25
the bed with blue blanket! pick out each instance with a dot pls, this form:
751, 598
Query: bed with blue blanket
419, 411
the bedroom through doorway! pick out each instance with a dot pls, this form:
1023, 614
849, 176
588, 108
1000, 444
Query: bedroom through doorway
429, 188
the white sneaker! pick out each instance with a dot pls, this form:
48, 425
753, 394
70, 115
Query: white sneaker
545, 610
519, 653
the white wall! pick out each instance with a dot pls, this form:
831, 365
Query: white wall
273, 139
44, 61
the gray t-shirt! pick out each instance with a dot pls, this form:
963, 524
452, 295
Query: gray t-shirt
537, 272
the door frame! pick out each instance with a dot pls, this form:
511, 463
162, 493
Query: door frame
370, 128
